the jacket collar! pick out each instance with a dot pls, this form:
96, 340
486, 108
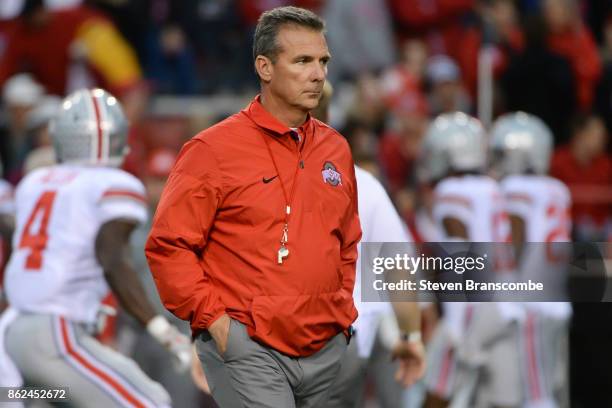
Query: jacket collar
265, 120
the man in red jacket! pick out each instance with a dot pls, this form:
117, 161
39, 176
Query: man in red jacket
255, 237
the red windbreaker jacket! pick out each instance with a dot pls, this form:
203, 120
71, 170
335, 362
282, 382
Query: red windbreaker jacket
216, 232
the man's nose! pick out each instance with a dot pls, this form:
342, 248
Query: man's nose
319, 73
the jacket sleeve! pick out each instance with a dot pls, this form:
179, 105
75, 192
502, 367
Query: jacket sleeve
351, 235
179, 233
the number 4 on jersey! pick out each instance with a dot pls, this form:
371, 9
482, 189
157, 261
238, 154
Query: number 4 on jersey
36, 241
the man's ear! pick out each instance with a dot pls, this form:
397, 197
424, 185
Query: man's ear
264, 68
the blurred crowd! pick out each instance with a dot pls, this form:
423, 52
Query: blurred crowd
395, 65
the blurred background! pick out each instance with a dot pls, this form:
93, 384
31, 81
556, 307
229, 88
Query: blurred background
180, 66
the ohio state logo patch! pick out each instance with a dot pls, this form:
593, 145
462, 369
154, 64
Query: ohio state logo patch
330, 175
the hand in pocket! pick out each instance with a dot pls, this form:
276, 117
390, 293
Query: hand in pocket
219, 331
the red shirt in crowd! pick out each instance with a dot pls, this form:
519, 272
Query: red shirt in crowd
579, 47
395, 165
590, 185
80, 34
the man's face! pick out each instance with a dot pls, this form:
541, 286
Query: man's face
298, 75
18, 114
593, 137
448, 94
558, 14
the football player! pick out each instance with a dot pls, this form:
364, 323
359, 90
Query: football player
7, 224
467, 207
71, 244
9, 377
539, 210
372, 347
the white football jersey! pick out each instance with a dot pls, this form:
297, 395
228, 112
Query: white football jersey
544, 204
53, 268
380, 223
477, 202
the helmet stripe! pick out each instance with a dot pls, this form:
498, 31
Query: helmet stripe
98, 125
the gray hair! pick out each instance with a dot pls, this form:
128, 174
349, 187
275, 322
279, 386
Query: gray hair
270, 22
